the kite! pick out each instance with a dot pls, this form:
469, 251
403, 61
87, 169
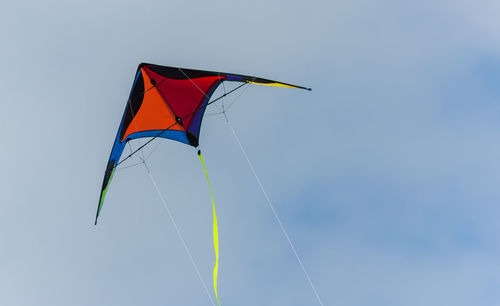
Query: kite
169, 102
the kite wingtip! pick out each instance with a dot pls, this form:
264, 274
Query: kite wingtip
309, 88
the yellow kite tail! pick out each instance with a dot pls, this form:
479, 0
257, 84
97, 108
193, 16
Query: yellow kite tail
216, 232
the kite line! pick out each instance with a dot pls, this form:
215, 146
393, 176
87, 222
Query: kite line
282, 227
178, 232
283, 230
171, 216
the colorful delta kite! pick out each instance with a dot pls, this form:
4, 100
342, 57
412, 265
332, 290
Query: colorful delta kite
168, 102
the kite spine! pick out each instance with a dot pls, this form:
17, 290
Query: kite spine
216, 232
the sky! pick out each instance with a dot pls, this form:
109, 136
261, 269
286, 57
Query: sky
385, 175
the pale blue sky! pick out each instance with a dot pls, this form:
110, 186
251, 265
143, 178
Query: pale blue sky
386, 175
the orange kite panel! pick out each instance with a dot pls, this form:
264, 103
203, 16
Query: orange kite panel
154, 113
